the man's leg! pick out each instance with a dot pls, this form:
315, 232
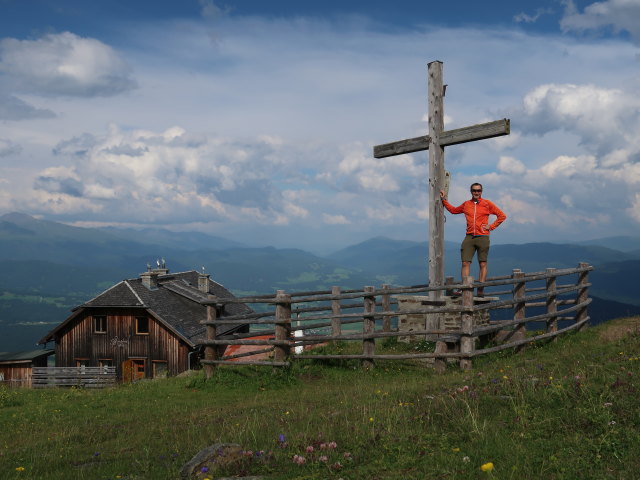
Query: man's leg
466, 270
483, 255
483, 277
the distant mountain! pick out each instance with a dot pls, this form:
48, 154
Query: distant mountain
617, 281
622, 243
174, 240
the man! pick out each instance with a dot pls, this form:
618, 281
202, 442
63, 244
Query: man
476, 211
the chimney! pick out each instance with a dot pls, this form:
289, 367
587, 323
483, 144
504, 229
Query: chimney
203, 282
150, 278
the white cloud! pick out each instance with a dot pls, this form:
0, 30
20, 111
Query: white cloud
7, 147
600, 116
511, 165
617, 15
526, 18
13, 108
335, 219
64, 64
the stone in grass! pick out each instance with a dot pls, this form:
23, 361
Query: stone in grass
211, 458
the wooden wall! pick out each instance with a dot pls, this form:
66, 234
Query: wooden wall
120, 342
16, 375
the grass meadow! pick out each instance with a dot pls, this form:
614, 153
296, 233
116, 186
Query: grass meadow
563, 410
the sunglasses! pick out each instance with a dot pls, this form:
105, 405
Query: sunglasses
474, 190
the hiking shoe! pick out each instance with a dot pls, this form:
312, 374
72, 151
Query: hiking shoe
480, 292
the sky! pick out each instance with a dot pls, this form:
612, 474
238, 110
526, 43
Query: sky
256, 120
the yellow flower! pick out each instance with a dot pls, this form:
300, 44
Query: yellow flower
371, 419
487, 467
20, 469
505, 377
455, 449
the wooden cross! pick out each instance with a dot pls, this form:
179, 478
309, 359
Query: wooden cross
435, 143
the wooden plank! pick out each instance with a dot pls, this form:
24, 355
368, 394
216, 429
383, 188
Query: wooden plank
481, 131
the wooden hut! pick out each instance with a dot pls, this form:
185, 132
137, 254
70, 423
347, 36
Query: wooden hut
16, 367
147, 327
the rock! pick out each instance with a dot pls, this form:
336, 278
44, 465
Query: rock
211, 458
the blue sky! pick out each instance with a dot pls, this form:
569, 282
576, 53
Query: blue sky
255, 120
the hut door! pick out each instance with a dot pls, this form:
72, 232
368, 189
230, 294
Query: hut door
132, 370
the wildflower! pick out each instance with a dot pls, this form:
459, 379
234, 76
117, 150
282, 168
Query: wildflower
332, 445
309, 449
466, 459
371, 419
323, 459
505, 377
299, 459
248, 453
204, 469
346, 455
612, 422
20, 469
336, 466
487, 467
323, 446
455, 449
608, 404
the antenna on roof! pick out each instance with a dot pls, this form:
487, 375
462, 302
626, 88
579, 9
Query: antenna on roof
164, 264
148, 267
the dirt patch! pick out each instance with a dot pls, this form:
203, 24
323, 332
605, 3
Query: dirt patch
620, 328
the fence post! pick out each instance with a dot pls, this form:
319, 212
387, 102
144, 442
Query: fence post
467, 341
552, 303
448, 281
582, 294
336, 321
283, 326
519, 307
210, 351
368, 327
386, 306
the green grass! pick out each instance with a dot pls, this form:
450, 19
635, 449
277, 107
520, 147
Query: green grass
560, 411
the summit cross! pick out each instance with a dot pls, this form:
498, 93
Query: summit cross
435, 142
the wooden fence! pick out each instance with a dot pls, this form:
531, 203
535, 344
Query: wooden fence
86, 377
330, 316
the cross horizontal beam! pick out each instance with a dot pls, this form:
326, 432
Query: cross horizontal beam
448, 137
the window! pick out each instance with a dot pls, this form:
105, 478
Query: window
159, 369
99, 324
105, 362
82, 362
142, 326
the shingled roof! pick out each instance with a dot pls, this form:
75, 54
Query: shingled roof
175, 301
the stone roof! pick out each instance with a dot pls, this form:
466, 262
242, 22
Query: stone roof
175, 301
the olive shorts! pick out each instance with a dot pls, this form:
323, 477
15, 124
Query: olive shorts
473, 243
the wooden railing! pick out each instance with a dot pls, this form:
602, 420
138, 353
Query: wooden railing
86, 377
323, 316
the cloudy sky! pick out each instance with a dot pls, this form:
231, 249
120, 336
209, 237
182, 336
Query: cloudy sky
255, 120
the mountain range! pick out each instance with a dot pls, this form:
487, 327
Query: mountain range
47, 268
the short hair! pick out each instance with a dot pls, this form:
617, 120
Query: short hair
474, 184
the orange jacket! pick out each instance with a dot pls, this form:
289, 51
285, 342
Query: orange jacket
477, 214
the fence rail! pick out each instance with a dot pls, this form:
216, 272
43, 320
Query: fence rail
322, 316
87, 377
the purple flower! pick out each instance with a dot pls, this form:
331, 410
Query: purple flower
204, 469
281, 438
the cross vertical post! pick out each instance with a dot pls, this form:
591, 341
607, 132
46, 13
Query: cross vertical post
436, 179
